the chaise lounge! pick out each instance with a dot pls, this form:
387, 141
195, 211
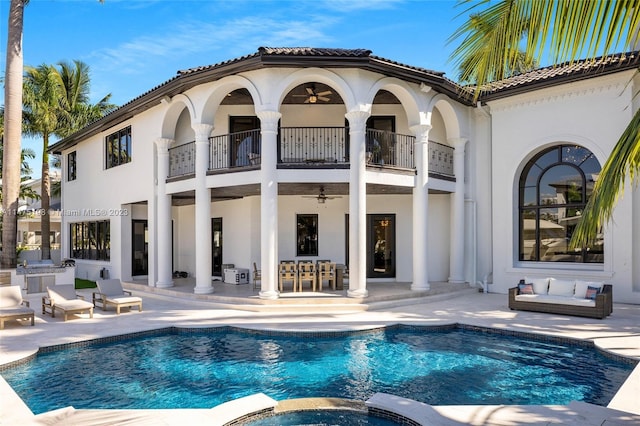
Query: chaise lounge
11, 305
565, 297
64, 298
110, 292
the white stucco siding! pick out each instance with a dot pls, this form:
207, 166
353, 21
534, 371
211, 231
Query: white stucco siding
590, 113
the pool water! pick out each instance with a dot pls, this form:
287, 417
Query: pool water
323, 418
202, 369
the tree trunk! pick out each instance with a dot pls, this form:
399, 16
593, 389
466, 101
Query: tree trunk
12, 134
45, 196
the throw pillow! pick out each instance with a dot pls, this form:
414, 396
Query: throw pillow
592, 292
526, 288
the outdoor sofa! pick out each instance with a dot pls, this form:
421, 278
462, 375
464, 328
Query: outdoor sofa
566, 297
110, 292
63, 298
13, 306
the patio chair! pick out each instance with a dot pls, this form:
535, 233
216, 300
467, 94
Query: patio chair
11, 308
287, 271
64, 298
326, 272
110, 292
257, 276
307, 272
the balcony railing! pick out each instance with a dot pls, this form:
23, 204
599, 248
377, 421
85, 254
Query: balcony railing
310, 146
389, 149
440, 159
182, 159
238, 149
313, 145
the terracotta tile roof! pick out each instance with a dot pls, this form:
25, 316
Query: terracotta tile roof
559, 74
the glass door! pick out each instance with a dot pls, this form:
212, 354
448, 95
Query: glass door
216, 246
381, 246
140, 248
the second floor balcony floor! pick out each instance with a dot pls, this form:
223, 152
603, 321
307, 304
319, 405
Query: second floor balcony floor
310, 147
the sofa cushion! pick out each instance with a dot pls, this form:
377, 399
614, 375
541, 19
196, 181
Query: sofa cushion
581, 287
526, 288
559, 300
540, 285
592, 292
561, 287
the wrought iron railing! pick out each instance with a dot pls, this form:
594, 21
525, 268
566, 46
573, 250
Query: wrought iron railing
313, 145
182, 159
385, 148
238, 149
440, 159
310, 145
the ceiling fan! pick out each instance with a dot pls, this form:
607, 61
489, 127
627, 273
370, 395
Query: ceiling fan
313, 96
322, 197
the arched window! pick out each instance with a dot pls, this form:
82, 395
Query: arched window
554, 189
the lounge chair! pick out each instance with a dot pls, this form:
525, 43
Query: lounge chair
110, 292
11, 308
63, 298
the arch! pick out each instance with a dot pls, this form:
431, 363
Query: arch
220, 89
177, 104
306, 75
451, 119
415, 106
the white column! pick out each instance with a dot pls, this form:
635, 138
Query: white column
163, 214
357, 205
203, 211
269, 204
421, 209
456, 256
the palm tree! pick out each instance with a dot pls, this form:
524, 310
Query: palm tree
13, 124
42, 109
565, 29
56, 102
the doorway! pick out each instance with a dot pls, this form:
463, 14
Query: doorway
216, 246
140, 248
243, 141
381, 245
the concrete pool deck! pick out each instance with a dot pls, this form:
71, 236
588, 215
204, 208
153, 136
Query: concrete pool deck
618, 334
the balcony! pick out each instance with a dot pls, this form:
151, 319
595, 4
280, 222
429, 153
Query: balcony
304, 147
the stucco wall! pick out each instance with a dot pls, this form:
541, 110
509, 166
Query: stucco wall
592, 114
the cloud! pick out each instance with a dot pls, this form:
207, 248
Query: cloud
354, 5
235, 37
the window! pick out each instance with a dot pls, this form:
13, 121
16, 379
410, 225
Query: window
90, 240
307, 235
71, 166
118, 148
554, 189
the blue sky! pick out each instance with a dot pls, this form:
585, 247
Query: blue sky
132, 46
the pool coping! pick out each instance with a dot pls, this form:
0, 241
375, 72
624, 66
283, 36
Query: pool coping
237, 412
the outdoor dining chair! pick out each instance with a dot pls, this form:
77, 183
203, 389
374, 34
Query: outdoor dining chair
306, 272
287, 272
326, 272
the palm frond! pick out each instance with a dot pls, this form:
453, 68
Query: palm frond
624, 161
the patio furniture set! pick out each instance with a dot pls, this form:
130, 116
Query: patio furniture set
63, 299
307, 272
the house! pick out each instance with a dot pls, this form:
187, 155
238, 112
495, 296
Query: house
29, 236
391, 169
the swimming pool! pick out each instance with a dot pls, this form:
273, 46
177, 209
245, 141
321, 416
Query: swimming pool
196, 368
